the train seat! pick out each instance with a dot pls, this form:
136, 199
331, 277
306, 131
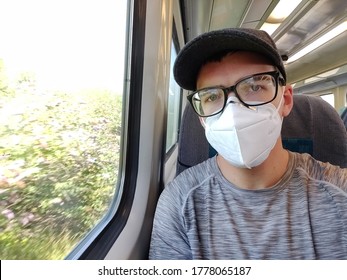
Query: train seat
313, 126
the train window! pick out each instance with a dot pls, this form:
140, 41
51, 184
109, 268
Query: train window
330, 98
61, 92
174, 101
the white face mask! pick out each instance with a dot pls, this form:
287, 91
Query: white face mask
244, 136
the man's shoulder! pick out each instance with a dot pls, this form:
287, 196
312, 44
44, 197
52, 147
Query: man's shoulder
323, 173
194, 177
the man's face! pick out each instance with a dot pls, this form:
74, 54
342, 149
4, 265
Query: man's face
233, 68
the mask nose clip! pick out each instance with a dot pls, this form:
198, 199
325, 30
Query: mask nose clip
234, 100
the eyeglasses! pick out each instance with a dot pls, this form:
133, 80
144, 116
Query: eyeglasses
254, 90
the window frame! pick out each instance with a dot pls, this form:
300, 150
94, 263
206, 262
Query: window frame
98, 242
175, 43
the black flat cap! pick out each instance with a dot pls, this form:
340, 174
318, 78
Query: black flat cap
196, 52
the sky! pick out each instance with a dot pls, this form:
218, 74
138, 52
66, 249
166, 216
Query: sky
68, 44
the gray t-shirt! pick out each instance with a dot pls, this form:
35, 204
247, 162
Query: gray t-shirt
200, 215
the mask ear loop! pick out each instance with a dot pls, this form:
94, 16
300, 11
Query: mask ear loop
280, 104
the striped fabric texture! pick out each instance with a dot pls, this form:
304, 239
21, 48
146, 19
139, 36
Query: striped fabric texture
200, 215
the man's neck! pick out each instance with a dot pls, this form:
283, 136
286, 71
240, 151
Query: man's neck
263, 176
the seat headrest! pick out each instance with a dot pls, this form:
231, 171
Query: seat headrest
313, 119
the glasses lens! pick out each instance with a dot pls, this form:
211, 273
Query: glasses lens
208, 101
257, 90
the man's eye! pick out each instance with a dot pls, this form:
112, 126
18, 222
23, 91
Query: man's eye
255, 87
212, 97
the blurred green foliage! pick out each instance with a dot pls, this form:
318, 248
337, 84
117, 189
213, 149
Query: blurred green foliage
59, 155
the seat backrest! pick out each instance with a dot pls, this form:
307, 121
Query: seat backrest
313, 126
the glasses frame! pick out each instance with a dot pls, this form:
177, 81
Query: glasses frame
226, 90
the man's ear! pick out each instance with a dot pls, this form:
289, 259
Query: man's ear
288, 100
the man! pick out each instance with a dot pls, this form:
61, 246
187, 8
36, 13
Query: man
254, 200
